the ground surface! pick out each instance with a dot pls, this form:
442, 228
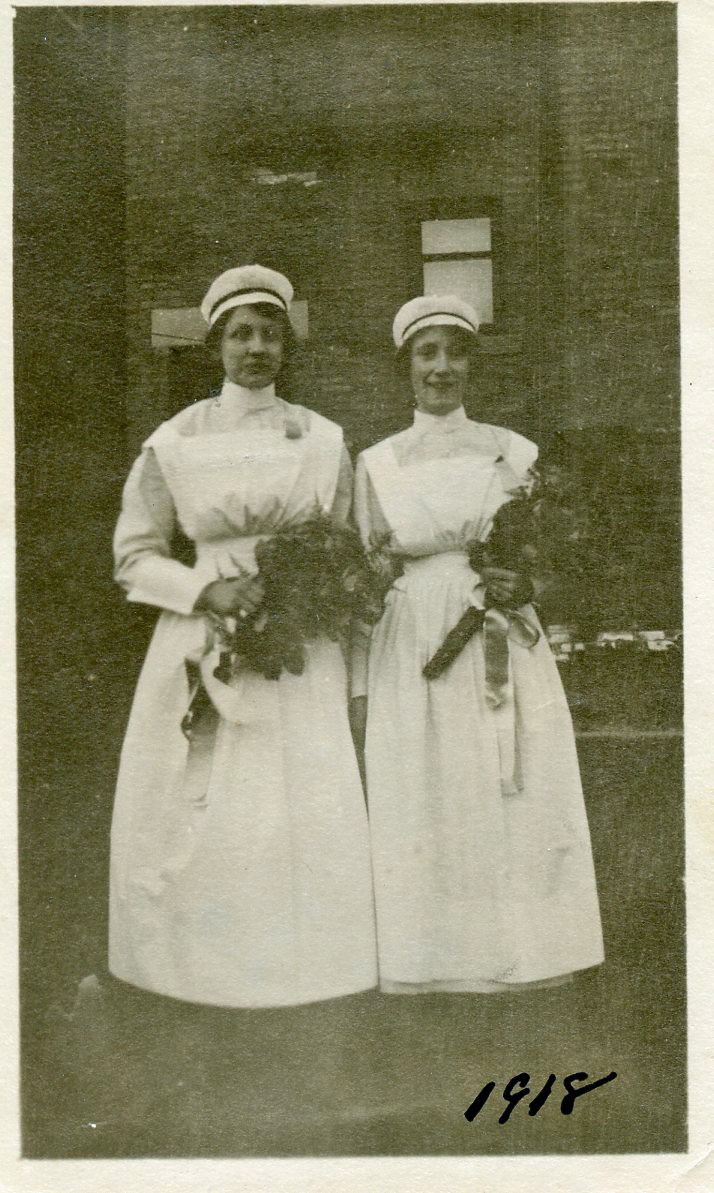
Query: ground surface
109, 1072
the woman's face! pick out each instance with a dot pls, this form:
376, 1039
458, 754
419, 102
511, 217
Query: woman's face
252, 347
439, 369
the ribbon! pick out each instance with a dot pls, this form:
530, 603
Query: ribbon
213, 693
498, 625
238, 694
199, 727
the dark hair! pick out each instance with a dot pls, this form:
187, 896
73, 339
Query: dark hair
465, 339
269, 310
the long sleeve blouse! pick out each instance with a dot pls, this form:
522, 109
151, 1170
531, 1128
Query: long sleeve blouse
148, 522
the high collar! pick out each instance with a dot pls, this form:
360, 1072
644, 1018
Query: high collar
237, 397
440, 422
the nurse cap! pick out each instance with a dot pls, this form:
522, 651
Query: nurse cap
246, 284
433, 310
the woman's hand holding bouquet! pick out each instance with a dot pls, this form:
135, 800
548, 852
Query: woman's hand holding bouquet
314, 580
532, 538
235, 597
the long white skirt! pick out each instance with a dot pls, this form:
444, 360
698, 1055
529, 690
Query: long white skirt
475, 889
260, 892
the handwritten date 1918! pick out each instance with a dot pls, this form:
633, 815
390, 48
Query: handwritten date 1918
518, 1088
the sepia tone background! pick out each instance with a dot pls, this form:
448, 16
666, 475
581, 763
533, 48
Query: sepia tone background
154, 148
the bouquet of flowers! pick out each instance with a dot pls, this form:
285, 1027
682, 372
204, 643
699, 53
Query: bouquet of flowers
538, 532
317, 580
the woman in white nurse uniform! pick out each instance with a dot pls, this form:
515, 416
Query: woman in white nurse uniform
240, 869
482, 863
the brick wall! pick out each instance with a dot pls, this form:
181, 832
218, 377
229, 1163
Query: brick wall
395, 112
617, 97
562, 117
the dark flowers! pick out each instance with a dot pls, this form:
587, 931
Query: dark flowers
539, 530
317, 580
538, 533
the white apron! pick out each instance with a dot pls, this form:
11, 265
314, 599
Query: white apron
256, 889
480, 845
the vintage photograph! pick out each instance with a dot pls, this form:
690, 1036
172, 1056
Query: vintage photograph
349, 611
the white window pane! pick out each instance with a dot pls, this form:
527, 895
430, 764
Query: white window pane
177, 328
470, 280
456, 236
183, 326
298, 318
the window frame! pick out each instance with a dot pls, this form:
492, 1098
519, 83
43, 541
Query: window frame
474, 207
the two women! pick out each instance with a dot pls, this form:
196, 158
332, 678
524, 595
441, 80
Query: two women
241, 870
